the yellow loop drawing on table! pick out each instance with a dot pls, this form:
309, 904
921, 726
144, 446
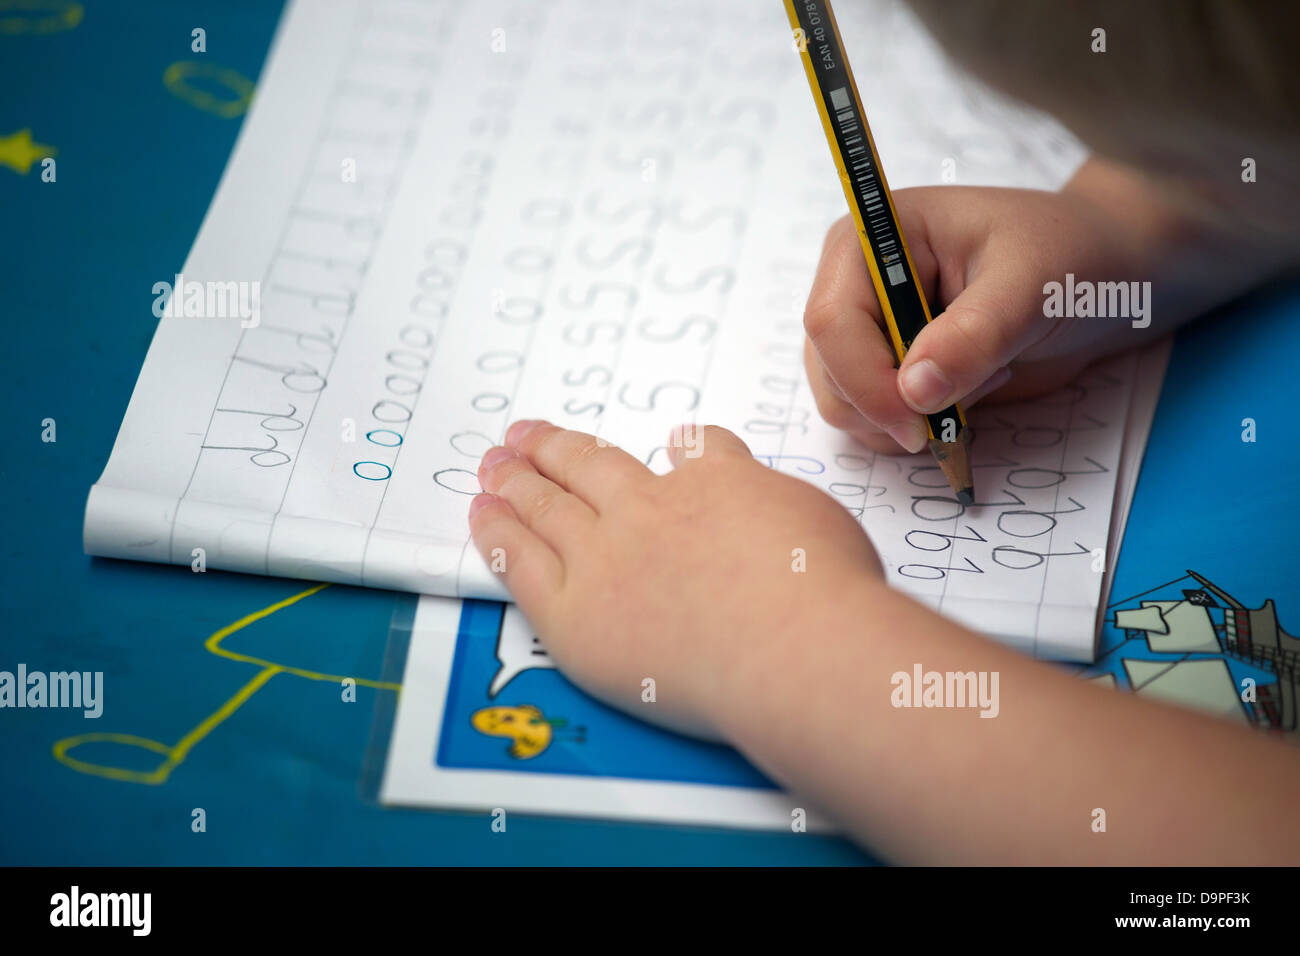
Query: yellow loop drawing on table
38, 16
177, 79
175, 754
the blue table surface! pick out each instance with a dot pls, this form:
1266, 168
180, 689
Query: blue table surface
279, 779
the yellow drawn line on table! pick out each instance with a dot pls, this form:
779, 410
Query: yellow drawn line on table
39, 16
176, 753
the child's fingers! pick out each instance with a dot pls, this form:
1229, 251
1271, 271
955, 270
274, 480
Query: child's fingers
532, 571
845, 325
984, 328
1032, 379
705, 442
858, 360
840, 414
837, 412
596, 472
558, 517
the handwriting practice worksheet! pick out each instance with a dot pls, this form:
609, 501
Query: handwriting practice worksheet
606, 215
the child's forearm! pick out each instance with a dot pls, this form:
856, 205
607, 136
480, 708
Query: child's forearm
812, 707
1200, 244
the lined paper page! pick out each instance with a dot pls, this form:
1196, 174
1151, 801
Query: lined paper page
606, 215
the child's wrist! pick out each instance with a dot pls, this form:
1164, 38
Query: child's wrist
843, 605
1166, 225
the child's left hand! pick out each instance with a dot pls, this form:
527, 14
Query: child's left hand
689, 580
686, 579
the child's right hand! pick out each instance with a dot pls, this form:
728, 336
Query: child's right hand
982, 256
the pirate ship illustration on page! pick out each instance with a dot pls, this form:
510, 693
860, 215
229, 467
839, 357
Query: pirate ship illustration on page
1199, 646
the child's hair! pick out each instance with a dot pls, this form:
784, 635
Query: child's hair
1185, 90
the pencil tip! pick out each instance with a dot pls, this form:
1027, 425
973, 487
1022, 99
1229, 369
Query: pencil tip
966, 496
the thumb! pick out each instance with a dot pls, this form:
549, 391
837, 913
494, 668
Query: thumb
994, 319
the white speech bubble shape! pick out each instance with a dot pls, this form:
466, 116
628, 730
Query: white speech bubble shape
518, 650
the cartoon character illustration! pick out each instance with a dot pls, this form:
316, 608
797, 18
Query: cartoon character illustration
530, 731
1201, 647
526, 726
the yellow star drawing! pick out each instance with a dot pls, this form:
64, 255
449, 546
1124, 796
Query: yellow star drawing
18, 152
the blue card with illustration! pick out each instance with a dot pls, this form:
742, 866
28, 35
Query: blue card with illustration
509, 709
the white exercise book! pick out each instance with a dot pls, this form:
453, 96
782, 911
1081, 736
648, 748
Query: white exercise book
441, 217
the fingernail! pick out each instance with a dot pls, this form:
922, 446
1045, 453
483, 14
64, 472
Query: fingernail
910, 434
516, 432
480, 502
495, 456
924, 386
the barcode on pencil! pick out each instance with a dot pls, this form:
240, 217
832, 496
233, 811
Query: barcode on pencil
875, 210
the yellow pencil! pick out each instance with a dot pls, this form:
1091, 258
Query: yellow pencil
901, 299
